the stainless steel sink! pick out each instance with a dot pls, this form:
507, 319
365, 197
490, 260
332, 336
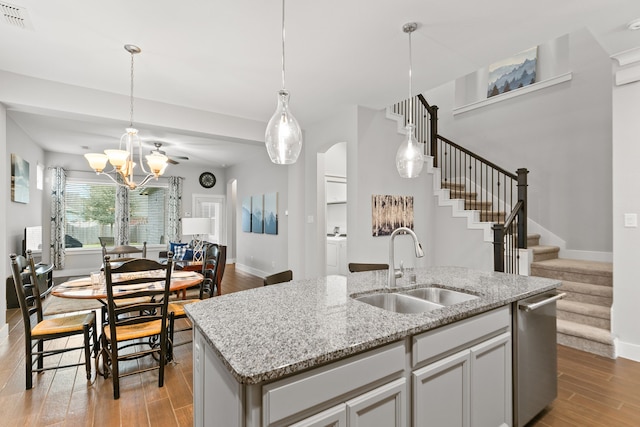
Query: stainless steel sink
399, 303
441, 296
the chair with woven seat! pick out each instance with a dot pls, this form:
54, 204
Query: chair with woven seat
140, 329
39, 329
355, 267
281, 277
210, 265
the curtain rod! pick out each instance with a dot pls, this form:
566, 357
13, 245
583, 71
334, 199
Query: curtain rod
90, 171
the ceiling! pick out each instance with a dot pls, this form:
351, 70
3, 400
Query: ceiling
225, 56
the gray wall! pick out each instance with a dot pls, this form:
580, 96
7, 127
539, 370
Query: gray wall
625, 316
562, 134
261, 254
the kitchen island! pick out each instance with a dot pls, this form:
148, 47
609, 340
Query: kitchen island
308, 353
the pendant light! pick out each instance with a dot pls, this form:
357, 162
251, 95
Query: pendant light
122, 159
409, 157
283, 137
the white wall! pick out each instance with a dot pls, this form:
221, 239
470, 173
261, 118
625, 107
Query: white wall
30, 214
261, 254
626, 199
562, 134
5, 170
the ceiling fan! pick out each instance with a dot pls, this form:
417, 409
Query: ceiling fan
171, 160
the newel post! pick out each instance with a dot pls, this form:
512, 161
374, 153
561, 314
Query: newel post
522, 213
498, 247
433, 117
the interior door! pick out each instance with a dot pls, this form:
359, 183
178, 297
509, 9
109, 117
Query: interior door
213, 207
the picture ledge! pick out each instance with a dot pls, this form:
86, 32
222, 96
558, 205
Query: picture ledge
512, 94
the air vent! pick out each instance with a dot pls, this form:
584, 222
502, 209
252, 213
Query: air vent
15, 15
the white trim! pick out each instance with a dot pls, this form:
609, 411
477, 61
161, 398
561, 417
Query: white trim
4, 332
251, 270
627, 350
628, 75
627, 57
512, 94
587, 255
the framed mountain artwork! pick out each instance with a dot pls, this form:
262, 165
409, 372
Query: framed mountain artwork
513, 73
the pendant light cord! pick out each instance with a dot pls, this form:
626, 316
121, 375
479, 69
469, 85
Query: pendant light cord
283, 88
131, 96
410, 79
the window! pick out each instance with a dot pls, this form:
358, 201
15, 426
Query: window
90, 213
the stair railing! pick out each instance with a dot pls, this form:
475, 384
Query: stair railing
499, 196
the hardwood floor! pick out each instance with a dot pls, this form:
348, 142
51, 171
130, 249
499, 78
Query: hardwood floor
592, 391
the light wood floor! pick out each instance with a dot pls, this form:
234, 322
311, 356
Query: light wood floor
593, 391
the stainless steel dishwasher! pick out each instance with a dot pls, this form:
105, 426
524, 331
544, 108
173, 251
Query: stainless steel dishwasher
535, 368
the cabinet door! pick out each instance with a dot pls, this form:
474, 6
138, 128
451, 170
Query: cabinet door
332, 257
491, 382
441, 392
334, 417
384, 406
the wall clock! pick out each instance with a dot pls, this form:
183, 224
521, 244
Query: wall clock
207, 179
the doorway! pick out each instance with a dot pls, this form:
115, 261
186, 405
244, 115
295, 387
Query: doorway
213, 207
335, 218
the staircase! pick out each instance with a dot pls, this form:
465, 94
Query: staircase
584, 315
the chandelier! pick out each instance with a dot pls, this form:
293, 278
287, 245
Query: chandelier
283, 137
409, 157
122, 160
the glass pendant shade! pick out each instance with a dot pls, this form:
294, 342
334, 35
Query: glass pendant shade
283, 137
409, 157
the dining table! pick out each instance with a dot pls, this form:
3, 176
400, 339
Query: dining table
84, 288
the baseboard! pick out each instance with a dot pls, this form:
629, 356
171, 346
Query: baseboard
250, 270
587, 255
4, 332
627, 350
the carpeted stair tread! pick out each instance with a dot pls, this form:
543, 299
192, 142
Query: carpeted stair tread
596, 268
584, 331
587, 289
446, 184
543, 249
585, 309
593, 272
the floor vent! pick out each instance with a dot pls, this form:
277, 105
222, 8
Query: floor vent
15, 15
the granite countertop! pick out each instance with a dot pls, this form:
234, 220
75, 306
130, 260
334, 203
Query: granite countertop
266, 333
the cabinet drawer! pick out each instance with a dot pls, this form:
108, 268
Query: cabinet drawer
438, 343
290, 396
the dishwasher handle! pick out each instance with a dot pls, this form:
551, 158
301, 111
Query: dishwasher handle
533, 306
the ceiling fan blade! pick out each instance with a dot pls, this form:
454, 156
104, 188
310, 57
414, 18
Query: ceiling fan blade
171, 161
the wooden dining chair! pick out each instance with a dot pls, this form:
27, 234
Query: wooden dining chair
140, 329
283, 276
39, 329
355, 267
210, 265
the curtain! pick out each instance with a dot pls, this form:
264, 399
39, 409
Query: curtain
174, 226
58, 231
122, 213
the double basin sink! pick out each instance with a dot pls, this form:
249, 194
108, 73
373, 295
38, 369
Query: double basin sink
416, 300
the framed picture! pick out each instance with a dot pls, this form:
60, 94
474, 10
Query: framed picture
257, 214
271, 213
390, 212
19, 179
513, 73
246, 214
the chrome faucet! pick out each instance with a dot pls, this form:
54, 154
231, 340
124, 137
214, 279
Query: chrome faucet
393, 273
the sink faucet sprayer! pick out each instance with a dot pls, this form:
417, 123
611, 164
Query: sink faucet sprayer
393, 273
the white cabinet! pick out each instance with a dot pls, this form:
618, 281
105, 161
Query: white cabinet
441, 392
334, 417
337, 255
472, 386
460, 375
383, 407
491, 390
336, 191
